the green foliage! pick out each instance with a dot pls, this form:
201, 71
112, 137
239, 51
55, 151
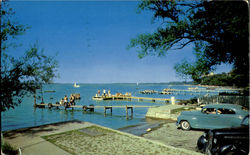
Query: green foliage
218, 30
22, 75
8, 149
224, 79
9, 29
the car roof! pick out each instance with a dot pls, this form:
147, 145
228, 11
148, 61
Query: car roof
226, 105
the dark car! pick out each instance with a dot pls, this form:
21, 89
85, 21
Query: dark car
227, 141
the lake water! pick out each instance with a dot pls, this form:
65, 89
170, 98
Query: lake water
25, 115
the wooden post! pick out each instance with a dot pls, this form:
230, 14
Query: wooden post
126, 110
35, 100
173, 100
107, 108
131, 112
91, 108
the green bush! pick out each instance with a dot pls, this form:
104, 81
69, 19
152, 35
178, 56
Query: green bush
8, 149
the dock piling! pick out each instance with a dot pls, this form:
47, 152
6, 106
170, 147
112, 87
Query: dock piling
131, 110
34, 100
107, 107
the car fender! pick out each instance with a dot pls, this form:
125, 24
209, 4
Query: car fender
232, 148
227, 148
191, 120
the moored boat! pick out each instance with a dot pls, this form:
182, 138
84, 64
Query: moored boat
76, 86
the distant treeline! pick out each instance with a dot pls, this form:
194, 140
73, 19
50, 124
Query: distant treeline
225, 79
181, 83
170, 83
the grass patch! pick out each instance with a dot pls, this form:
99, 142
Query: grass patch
75, 141
8, 149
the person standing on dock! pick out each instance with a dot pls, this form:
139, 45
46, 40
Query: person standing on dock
62, 102
65, 99
104, 92
109, 94
98, 92
72, 100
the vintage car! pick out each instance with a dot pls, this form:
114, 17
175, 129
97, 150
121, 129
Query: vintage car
212, 116
226, 140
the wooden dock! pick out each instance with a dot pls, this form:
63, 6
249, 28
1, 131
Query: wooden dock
100, 98
91, 108
197, 91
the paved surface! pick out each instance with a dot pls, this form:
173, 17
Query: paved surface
31, 143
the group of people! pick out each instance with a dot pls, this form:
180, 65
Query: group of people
104, 93
64, 101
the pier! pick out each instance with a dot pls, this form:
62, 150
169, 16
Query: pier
196, 91
100, 98
91, 107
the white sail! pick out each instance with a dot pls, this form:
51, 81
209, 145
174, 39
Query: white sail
76, 86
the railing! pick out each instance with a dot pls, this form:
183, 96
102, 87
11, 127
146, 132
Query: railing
240, 100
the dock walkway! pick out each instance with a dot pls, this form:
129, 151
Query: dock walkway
166, 100
91, 108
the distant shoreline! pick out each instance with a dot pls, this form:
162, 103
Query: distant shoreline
189, 83
142, 83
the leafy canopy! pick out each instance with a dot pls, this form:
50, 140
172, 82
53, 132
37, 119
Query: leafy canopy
22, 75
217, 29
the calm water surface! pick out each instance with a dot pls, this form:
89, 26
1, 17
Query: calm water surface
25, 115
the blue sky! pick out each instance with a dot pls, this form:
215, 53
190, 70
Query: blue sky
91, 38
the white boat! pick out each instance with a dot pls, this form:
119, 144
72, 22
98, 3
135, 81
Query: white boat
76, 86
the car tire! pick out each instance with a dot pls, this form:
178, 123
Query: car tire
202, 144
185, 125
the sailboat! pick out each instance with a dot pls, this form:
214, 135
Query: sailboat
76, 86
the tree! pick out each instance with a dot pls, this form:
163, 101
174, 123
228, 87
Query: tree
22, 75
217, 29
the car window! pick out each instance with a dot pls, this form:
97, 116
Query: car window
225, 111
209, 110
